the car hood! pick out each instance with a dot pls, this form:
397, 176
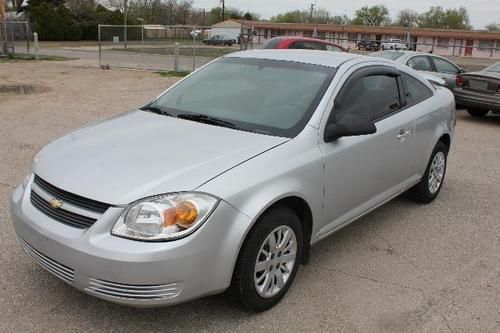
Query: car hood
140, 154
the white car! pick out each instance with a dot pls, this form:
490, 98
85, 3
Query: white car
394, 44
430, 65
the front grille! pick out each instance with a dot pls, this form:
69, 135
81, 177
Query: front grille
61, 215
137, 292
84, 203
61, 271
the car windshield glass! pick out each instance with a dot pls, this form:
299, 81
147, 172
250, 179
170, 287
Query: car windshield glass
258, 95
391, 55
494, 68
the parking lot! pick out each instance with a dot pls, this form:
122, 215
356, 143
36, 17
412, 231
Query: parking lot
404, 267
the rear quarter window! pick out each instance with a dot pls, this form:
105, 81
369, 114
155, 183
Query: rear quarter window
416, 91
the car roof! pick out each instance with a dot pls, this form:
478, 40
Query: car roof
305, 39
313, 57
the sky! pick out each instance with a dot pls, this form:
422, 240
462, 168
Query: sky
481, 12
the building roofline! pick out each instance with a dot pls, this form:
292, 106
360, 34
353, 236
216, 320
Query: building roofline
420, 32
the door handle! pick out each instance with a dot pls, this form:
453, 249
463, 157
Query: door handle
403, 134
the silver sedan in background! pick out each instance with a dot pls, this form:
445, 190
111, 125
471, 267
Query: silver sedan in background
432, 64
228, 177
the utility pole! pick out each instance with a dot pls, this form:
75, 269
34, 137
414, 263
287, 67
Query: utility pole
3, 27
312, 10
125, 14
223, 8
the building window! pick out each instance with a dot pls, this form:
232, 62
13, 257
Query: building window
352, 37
485, 45
498, 45
443, 42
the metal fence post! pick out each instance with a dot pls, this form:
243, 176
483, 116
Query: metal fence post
99, 42
28, 37
142, 46
194, 45
176, 57
35, 39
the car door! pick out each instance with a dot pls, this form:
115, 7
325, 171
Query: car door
446, 70
360, 172
421, 63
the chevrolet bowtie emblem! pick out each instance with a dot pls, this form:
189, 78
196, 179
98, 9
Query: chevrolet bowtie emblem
55, 203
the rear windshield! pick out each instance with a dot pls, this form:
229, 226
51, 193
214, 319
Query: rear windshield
272, 43
391, 55
494, 68
258, 95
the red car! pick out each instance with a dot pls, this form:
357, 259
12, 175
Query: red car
302, 43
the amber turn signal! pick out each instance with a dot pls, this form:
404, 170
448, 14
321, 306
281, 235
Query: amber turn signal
183, 214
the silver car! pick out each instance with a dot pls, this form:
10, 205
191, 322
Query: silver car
226, 179
432, 64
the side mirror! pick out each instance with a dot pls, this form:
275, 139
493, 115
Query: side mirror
349, 125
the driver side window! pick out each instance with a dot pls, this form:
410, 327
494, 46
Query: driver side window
370, 97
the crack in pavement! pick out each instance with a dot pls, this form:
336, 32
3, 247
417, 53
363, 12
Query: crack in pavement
7, 185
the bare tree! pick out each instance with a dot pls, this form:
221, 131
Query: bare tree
406, 18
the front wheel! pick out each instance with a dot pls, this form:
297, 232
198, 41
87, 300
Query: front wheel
430, 185
478, 113
268, 260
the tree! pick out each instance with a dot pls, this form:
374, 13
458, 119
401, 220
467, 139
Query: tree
493, 27
406, 18
52, 20
294, 16
374, 16
438, 18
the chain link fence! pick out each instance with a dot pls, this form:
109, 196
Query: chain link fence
157, 47
14, 37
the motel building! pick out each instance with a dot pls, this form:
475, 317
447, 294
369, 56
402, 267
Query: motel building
460, 43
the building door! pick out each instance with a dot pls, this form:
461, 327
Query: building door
468, 47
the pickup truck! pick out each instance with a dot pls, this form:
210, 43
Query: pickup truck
394, 44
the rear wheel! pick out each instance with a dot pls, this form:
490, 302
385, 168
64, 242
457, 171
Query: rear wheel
432, 181
478, 113
268, 260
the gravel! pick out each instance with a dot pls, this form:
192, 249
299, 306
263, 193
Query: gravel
404, 267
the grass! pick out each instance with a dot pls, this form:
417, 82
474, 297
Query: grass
173, 73
20, 57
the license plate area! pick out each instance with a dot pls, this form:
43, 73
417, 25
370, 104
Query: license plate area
478, 84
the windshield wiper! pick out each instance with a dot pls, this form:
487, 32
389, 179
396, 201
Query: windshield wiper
156, 109
206, 119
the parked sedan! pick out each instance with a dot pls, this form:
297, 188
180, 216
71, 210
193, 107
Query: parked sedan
227, 178
430, 63
220, 40
368, 45
479, 92
302, 43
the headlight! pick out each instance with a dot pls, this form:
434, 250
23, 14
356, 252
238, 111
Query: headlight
165, 217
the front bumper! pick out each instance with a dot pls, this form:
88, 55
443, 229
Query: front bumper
135, 273
474, 99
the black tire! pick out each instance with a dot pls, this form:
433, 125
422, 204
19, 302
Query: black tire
478, 113
421, 192
242, 284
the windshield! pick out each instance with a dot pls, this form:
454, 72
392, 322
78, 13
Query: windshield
391, 55
258, 95
494, 68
